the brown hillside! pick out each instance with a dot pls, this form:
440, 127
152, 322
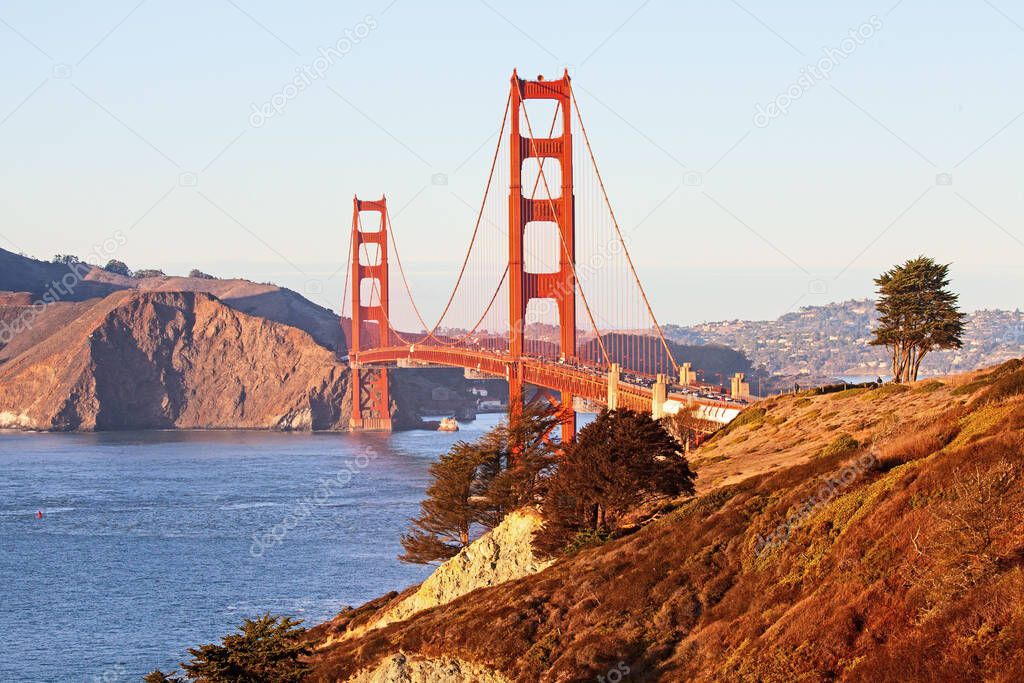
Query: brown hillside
23, 274
35, 335
275, 303
160, 360
863, 536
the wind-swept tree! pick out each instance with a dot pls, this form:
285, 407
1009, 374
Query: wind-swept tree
521, 453
450, 510
917, 314
619, 460
475, 485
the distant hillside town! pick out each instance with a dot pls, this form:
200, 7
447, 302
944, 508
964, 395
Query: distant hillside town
832, 341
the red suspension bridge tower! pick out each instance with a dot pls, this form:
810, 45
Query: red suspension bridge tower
556, 206
371, 401
605, 346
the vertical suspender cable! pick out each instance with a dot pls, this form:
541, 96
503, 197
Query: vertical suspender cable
604, 192
565, 248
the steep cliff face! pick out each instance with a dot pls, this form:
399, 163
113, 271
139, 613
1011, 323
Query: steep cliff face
136, 360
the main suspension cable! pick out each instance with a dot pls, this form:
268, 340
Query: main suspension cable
348, 274
345, 301
387, 318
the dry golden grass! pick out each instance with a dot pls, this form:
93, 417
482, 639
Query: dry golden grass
807, 424
903, 560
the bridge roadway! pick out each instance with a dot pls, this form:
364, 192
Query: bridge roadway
590, 385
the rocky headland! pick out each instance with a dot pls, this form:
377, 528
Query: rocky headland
85, 349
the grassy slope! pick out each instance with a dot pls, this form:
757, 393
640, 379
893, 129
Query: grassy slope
910, 567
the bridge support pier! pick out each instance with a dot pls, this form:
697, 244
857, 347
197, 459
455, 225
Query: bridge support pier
687, 377
613, 387
371, 401
659, 394
739, 388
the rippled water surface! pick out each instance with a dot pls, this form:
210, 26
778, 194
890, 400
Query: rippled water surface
153, 542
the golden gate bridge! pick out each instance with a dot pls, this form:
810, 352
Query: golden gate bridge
547, 296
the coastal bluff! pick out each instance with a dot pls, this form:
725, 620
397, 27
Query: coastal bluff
162, 360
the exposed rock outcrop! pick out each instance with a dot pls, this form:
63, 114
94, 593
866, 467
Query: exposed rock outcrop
137, 360
401, 668
502, 554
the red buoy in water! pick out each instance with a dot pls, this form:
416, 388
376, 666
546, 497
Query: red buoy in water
39, 514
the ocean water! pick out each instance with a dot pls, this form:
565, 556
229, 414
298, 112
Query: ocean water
153, 542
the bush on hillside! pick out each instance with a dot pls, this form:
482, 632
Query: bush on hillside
267, 649
118, 268
844, 444
143, 274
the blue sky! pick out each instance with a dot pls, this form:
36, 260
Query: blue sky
911, 144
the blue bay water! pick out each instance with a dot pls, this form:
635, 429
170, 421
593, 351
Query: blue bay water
146, 545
